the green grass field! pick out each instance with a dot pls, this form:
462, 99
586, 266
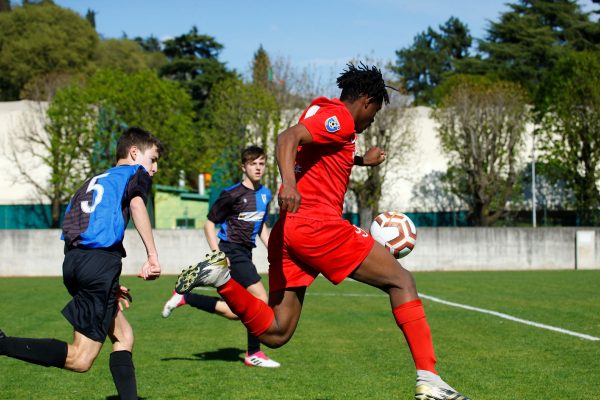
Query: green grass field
347, 345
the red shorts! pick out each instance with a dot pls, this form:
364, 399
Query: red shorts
302, 248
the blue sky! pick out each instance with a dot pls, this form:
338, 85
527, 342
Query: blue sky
320, 33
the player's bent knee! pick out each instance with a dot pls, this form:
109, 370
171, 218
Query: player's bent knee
81, 367
275, 341
406, 285
82, 363
122, 339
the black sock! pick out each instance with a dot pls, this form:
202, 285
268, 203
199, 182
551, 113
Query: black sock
123, 373
202, 302
253, 344
45, 352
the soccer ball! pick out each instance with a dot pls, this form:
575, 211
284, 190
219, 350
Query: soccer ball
396, 232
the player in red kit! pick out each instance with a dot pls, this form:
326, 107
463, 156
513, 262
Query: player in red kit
315, 158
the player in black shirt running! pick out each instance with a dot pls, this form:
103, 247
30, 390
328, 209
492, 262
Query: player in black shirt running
93, 231
241, 210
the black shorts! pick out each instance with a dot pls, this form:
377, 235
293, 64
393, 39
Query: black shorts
242, 268
92, 277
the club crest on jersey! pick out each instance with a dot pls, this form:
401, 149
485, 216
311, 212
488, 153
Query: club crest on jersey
264, 198
332, 124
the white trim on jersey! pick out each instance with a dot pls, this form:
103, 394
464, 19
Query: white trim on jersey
252, 216
312, 110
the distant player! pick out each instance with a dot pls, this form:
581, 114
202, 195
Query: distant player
242, 210
315, 159
93, 231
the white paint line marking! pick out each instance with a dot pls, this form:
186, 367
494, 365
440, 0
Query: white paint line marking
481, 310
511, 318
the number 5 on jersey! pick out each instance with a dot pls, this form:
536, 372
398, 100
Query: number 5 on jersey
93, 187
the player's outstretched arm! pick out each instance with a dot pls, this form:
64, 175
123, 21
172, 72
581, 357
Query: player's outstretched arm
151, 268
287, 148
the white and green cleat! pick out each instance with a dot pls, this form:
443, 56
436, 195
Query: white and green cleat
212, 271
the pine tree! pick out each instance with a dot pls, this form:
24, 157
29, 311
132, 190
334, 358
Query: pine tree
262, 72
91, 17
529, 39
432, 55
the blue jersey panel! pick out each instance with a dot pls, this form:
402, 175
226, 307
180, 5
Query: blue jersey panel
95, 216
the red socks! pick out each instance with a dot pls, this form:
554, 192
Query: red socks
410, 317
254, 313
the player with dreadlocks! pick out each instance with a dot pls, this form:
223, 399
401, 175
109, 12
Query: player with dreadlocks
315, 158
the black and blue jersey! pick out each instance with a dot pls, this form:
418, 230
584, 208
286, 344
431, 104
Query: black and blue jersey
241, 212
98, 213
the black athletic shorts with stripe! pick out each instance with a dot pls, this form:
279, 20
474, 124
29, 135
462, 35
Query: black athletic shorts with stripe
92, 277
241, 267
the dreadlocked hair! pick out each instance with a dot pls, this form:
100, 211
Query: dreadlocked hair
361, 80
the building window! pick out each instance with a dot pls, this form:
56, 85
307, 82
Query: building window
185, 223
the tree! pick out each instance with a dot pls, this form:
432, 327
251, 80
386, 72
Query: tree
40, 39
481, 126
56, 139
293, 88
160, 106
433, 192
392, 131
150, 44
44, 87
193, 61
423, 65
570, 127
154, 57
77, 135
90, 16
121, 54
529, 39
238, 114
551, 191
4, 5
262, 72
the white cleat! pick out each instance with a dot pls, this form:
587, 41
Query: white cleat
212, 271
260, 359
431, 387
175, 301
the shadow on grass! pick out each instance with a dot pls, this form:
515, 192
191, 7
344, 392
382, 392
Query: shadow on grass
115, 397
229, 354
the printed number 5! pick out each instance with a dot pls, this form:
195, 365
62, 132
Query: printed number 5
99, 189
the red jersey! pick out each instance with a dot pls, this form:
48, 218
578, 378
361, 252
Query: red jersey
323, 167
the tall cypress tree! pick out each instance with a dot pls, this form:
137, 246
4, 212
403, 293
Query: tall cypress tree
262, 72
91, 17
529, 39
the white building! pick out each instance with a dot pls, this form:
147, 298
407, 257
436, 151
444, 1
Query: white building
403, 173
16, 117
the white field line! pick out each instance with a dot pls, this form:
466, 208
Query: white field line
481, 310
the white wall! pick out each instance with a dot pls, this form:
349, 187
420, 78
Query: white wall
15, 118
40, 252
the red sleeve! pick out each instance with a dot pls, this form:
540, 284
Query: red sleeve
329, 124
